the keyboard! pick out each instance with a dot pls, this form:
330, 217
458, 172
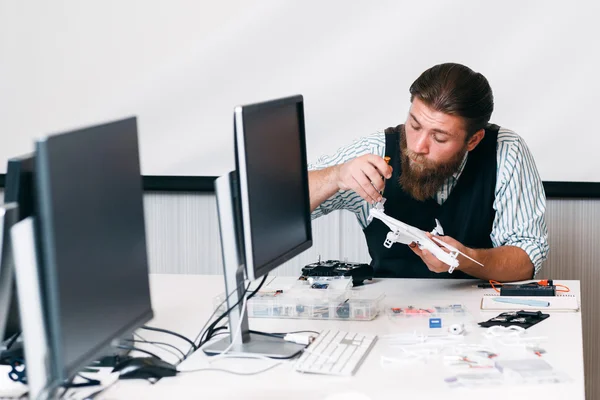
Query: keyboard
335, 353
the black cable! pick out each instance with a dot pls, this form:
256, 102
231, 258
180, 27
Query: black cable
69, 384
260, 285
12, 340
87, 378
138, 349
199, 337
157, 343
258, 288
149, 328
210, 330
219, 328
267, 334
213, 333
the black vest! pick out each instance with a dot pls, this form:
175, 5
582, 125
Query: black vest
467, 215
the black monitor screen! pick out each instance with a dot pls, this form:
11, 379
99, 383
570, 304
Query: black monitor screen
93, 240
18, 189
19, 184
276, 172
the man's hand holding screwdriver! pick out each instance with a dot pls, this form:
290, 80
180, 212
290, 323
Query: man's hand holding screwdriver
365, 175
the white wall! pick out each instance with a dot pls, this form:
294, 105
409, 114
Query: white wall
181, 67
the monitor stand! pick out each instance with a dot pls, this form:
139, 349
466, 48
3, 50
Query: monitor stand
233, 273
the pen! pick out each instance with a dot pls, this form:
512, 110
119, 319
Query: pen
525, 302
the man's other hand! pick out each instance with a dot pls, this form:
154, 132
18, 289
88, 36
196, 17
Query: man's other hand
432, 262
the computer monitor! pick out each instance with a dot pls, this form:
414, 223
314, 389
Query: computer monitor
8, 326
92, 239
18, 187
264, 210
18, 190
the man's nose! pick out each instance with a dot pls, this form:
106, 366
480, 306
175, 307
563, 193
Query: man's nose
422, 145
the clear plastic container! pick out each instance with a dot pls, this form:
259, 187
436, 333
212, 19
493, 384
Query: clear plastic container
318, 298
442, 318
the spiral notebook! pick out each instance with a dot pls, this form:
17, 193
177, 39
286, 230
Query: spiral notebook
561, 302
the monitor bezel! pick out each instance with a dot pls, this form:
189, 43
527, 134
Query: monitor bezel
8, 217
253, 271
60, 370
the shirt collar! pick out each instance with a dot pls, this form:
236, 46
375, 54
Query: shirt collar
456, 175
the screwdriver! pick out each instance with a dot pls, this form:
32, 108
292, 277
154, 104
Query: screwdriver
379, 204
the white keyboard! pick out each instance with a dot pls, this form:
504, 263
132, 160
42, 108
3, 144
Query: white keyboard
335, 353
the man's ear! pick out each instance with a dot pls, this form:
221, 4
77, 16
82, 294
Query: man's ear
475, 139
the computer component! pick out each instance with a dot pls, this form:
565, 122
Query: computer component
335, 352
264, 210
91, 244
528, 289
523, 319
8, 217
18, 189
359, 272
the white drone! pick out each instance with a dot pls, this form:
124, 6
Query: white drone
407, 234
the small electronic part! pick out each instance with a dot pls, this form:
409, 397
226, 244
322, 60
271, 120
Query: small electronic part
343, 310
358, 271
528, 289
435, 322
470, 360
522, 319
318, 285
456, 329
410, 310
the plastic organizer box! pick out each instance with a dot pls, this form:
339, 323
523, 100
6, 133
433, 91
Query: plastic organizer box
441, 318
315, 298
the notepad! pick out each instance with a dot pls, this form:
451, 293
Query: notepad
556, 303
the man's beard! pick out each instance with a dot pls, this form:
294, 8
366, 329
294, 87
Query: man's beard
423, 179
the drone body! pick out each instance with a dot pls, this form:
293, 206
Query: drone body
407, 234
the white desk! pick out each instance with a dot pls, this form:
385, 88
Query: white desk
182, 303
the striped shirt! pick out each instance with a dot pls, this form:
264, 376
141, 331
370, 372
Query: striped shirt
520, 200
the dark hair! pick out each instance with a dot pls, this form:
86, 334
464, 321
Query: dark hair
457, 90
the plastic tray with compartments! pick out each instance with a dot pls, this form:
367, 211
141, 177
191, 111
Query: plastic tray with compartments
318, 298
443, 317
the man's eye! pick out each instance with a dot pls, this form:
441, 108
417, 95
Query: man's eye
416, 128
438, 140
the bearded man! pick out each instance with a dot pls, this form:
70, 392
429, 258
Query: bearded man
447, 162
